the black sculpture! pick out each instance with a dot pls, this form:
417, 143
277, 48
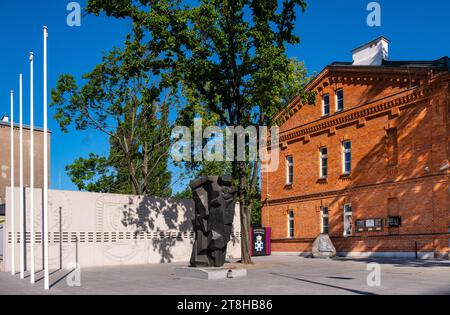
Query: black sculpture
213, 223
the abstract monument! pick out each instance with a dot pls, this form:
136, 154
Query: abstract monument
214, 198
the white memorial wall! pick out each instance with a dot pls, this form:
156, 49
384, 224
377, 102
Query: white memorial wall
90, 229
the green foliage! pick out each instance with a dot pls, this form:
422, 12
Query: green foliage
296, 80
255, 206
129, 100
92, 174
230, 57
196, 109
185, 194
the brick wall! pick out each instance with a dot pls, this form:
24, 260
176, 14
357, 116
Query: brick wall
389, 177
5, 158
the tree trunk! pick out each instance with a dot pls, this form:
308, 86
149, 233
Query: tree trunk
245, 234
245, 214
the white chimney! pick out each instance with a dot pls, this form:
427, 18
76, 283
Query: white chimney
5, 119
372, 53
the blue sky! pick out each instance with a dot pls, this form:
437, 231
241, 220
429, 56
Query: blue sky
329, 30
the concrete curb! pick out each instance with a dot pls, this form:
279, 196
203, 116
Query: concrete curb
421, 255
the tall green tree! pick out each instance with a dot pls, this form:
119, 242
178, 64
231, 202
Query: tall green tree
239, 67
231, 56
127, 98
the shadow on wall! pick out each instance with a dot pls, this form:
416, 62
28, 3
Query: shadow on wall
175, 215
423, 206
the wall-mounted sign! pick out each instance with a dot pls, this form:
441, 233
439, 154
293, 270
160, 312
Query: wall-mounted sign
360, 225
260, 241
395, 221
369, 225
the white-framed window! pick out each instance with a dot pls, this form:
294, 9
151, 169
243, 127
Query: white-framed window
289, 170
347, 157
323, 162
326, 105
348, 220
340, 100
291, 228
325, 220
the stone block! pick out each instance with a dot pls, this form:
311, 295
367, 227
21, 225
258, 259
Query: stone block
211, 273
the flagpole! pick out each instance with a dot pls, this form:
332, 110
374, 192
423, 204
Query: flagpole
45, 188
32, 241
21, 207
12, 201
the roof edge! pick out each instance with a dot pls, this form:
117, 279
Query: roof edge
27, 127
370, 42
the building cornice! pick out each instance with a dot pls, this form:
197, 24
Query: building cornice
391, 104
25, 127
343, 192
357, 75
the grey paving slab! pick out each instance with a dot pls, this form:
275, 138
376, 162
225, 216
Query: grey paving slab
276, 275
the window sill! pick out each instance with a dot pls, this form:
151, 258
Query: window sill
346, 176
288, 186
323, 180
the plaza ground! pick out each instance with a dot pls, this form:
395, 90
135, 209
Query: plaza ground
275, 275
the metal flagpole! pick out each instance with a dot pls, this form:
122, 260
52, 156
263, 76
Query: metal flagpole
12, 201
21, 207
32, 270
45, 188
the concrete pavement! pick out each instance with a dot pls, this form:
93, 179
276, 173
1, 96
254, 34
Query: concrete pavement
275, 275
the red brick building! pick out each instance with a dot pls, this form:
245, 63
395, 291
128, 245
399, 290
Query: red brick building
368, 163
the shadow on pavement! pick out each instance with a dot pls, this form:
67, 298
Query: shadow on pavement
323, 284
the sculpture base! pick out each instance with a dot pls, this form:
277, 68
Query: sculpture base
207, 273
